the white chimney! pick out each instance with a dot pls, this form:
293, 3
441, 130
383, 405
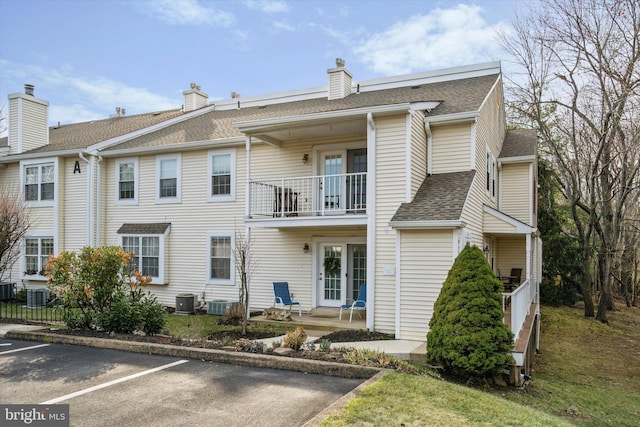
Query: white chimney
339, 80
28, 121
194, 98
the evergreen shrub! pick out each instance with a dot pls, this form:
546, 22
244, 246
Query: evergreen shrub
467, 336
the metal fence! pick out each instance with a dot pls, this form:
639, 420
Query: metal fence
32, 306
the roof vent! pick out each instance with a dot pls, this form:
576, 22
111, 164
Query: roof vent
28, 89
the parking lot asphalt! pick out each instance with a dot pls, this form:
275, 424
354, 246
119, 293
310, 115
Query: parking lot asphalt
107, 387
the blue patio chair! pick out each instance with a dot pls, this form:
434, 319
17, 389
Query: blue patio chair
283, 297
358, 305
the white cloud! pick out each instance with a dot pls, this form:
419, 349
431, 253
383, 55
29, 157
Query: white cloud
268, 6
439, 39
187, 12
73, 98
282, 26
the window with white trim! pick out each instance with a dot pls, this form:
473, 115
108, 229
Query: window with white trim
221, 269
126, 181
168, 173
147, 255
39, 182
36, 254
492, 172
222, 175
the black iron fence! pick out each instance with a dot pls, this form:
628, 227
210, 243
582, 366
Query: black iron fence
28, 305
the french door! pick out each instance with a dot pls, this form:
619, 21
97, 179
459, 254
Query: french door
331, 275
342, 268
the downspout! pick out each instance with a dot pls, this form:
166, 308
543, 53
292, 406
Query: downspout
89, 163
98, 199
427, 129
371, 219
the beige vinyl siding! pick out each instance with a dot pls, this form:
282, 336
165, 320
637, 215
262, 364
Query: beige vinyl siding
496, 225
73, 204
516, 191
418, 152
420, 286
30, 121
277, 255
390, 192
268, 161
187, 245
490, 126
451, 148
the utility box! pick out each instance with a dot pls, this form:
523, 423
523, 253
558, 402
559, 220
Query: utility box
217, 307
7, 291
186, 303
37, 298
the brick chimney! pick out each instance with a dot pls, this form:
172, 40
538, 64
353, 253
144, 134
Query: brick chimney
194, 98
28, 121
339, 80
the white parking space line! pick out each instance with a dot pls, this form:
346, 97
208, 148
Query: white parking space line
23, 349
110, 383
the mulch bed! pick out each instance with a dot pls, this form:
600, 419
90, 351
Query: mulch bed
234, 341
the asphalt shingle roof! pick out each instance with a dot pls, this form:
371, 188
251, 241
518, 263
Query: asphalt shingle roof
441, 197
517, 143
152, 228
455, 96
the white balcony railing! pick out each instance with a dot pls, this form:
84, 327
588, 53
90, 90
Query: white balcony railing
518, 303
309, 196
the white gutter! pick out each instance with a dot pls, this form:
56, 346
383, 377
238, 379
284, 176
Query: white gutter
516, 159
39, 155
453, 118
182, 146
433, 225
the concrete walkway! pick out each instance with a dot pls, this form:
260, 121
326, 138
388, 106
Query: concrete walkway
6, 327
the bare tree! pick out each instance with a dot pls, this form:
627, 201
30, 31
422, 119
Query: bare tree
14, 223
581, 89
245, 265
3, 120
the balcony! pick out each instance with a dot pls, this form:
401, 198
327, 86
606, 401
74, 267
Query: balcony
311, 197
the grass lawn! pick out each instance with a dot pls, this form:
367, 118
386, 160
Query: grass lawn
587, 373
198, 327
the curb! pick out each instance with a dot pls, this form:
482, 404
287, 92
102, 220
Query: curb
309, 366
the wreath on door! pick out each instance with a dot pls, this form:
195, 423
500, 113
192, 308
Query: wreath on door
332, 265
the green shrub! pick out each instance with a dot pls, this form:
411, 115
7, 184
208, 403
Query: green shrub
467, 336
153, 315
21, 296
558, 292
295, 339
97, 293
325, 345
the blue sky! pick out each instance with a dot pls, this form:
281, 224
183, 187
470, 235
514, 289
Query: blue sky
87, 57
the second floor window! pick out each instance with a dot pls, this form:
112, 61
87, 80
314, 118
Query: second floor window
126, 181
168, 178
39, 182
222, 175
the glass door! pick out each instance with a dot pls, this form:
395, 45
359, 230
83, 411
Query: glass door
332, 184
332, 277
